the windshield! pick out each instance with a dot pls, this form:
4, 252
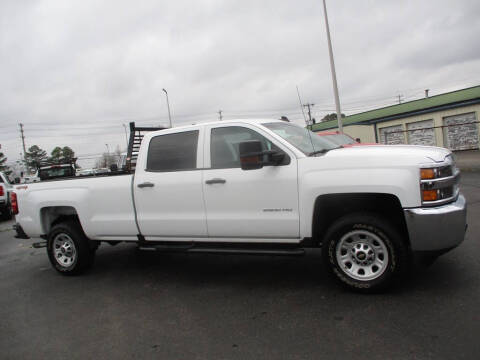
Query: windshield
303, 139
339, 139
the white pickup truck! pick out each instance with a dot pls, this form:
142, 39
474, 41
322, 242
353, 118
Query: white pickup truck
258, 186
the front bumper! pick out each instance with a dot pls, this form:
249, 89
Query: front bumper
437, 228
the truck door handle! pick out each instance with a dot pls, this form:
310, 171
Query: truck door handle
146, 184
215, 181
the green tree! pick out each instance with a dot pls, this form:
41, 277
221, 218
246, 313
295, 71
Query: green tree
34, 156
62, 155
68, 154
332, 116
56, 156
3, 167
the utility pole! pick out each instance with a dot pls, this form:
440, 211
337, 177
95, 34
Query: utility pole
332, 68
22, 136
23, 144
23, 139
309, 112
400, 98
220, 115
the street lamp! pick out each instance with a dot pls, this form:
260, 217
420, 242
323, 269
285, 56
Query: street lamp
126, 137
332, 68
168, 106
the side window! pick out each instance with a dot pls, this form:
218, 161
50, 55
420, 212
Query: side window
173, 152
224, 145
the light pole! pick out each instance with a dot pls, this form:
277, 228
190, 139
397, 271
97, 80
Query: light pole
332, 67
168, 107
126, 137
107, 158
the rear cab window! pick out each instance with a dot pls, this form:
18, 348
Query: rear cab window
173, 152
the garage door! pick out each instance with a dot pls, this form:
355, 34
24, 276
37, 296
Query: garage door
392, 135
461, 132
421, 133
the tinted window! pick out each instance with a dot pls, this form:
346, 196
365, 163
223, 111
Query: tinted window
56, 172
173, 152
224, 145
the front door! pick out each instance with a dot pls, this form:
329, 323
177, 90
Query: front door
168, 187
261, 203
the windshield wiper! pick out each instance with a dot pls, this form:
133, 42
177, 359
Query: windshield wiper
323, 151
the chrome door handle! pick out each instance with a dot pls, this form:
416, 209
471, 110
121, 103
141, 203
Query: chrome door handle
215, 181
146, 184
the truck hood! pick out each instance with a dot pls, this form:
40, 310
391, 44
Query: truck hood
394, 154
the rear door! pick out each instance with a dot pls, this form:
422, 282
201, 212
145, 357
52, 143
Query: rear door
168, 186
261, 203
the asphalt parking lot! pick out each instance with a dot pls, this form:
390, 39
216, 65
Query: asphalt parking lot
185, 306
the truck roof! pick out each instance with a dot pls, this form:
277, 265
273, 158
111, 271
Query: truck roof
246, 121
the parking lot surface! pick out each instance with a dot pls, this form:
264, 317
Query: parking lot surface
136, 305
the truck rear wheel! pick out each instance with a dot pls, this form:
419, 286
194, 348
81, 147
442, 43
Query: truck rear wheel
365, 252
69, 250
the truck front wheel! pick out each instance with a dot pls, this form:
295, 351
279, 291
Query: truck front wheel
365, 252
69, 250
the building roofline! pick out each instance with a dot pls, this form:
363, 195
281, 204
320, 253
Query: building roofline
417, 100
448, 100
420, 112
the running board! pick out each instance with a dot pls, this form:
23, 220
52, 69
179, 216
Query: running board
225, 251
39, 245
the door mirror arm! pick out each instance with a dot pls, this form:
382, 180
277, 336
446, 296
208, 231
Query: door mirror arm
275, 158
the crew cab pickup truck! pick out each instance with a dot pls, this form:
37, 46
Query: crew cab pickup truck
258, 186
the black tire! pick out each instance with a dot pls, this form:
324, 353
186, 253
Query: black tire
84, 248
5, 213
345, 235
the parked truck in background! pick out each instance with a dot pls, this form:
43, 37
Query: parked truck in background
258, 186
47, 171
5, 189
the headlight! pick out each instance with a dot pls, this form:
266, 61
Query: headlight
439, 185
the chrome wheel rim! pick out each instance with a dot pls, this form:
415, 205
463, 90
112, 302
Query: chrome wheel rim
362, 255
64, 250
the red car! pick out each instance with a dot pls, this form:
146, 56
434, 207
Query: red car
342, 139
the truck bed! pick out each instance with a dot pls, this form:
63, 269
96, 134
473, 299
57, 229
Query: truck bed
104, 205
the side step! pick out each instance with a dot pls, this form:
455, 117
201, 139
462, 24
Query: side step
225, 251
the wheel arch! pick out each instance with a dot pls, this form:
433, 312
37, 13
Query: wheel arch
330, 207
53, 215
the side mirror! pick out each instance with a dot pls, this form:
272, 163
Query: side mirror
251, 155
